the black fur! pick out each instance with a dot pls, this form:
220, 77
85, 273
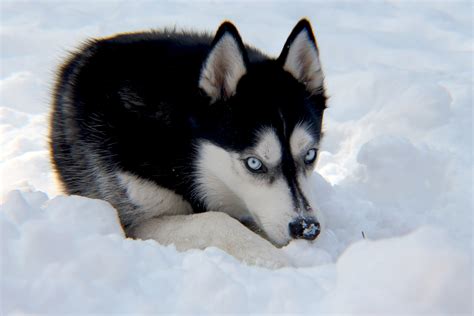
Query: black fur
132, 102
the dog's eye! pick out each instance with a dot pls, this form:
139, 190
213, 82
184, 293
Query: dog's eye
310, 156
254, 164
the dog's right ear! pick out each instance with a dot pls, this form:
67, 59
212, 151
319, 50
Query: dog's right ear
225, 65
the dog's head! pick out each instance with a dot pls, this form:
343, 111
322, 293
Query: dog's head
261, 133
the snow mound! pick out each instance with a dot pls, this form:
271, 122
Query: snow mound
386, 275
69, 255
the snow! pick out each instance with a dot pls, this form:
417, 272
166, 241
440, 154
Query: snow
395, 167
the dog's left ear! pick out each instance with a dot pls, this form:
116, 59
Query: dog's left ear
225, 65
300, 57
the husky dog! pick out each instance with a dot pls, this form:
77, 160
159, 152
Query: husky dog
190, 137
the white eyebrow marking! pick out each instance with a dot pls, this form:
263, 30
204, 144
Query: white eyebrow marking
268, 146
301, 139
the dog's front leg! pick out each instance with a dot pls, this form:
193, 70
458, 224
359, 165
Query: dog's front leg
211, 229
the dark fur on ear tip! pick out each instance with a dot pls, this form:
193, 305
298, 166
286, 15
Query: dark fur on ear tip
302, 25
228, 27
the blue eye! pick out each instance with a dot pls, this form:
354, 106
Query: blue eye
254, 164
310, 156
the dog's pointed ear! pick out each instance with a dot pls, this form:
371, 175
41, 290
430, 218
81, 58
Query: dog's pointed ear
225, 65
300, 57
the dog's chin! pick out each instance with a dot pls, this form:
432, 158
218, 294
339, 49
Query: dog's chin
278, 241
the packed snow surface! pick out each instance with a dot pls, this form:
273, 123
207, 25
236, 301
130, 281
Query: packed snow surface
395, 167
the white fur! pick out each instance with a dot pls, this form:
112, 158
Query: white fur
215, 168
212, 229
169, 221
225, 185
301, 141
152, 199
222, 173
223, 69
268, 147
303, 62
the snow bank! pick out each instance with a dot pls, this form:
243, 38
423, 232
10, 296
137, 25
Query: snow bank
396, 167
69, 254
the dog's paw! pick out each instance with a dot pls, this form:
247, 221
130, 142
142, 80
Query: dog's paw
242, 243
212, 229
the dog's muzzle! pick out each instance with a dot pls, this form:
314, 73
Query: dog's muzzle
304, 228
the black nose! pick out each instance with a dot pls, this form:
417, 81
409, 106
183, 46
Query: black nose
305, 228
